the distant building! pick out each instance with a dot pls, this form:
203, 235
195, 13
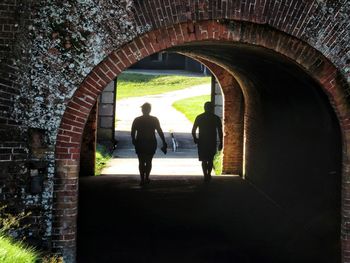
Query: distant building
170, 61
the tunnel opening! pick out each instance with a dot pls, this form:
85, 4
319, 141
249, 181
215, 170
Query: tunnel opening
292, 158
162, 89
177, 94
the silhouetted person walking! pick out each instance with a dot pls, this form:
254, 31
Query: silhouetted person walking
210, 127
145, 142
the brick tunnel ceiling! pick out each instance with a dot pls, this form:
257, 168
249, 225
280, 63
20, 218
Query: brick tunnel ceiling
263, 67
286, 92
296, 139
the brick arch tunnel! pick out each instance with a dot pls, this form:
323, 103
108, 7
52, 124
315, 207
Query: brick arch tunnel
292, 146
283, 102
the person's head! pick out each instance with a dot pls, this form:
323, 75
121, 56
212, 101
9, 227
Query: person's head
146, 108
208, 107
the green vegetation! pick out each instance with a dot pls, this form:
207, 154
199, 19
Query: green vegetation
14, 251
191, 107
218, 163
102, 157
137, 85
11, 251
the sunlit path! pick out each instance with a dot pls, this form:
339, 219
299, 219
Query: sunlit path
170, 119
183, 161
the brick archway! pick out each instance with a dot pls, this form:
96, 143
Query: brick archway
78, 108
233, 118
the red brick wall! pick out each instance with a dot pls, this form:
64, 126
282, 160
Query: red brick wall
233, 113
11, 143
88, 145
233, 125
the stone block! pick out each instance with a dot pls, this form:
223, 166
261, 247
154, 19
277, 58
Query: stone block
107, 97
218, 111
106, 122
106, 110
218, 100
104, 134
110, 87
217, 88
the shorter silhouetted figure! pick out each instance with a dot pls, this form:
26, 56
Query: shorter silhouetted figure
210, 127
145, 142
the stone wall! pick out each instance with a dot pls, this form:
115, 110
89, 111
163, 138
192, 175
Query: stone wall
24, 151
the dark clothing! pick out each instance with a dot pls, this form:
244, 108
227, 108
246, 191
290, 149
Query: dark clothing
145, 139
208, 125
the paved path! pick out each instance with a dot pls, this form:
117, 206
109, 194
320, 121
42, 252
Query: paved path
182, 219
170, 119
182, 162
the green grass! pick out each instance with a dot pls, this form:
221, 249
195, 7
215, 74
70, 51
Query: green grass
16, 252
102, 157
13, 251
191, 107
137, 85
218, 163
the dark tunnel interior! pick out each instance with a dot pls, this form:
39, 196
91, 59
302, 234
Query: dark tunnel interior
287, 209
293, 149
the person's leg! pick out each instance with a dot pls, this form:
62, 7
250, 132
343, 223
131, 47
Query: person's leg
142, 168
148, 167
205, 169
210, 168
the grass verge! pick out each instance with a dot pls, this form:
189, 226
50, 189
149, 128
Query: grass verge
12, 251
191, 107
218, 163
102, 157
137, 85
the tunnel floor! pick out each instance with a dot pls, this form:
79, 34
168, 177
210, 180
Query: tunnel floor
182, 219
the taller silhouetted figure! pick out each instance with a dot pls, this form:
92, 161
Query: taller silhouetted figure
210, 128
145, 142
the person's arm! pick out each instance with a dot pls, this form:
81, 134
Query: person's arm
194, 130
133, 133
220, 133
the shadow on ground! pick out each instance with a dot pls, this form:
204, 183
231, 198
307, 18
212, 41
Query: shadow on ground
185, 146
181, 219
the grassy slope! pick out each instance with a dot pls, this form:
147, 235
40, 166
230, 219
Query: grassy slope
11, 252
191, 107
102, 157
137, 85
